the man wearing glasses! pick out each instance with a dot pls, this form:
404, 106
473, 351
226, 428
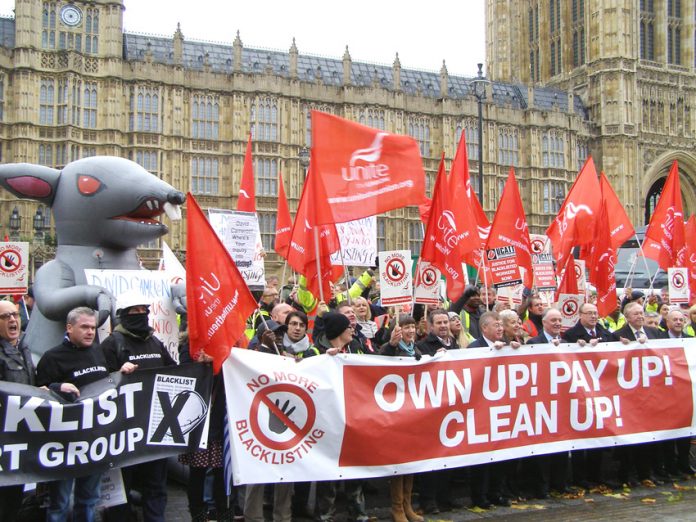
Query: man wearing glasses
15, 366
588, 329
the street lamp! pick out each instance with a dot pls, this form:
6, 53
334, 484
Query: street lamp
304, 158
15, 224
478, 86
39, 224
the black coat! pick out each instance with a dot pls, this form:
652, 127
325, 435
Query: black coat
538, 339
578, 332
626, 332
479, 342
431, 344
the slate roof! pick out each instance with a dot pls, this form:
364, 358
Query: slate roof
220, 58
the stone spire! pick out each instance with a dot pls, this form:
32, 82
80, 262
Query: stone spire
237, 50
444, 80
178, 44
347, 66
396, 68
293, 59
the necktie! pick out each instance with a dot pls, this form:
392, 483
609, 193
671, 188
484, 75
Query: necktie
593, 334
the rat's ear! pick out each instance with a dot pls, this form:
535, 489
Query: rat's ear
29, 181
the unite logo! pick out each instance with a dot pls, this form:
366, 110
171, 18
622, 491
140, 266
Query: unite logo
570, 212
447, 224
369, 155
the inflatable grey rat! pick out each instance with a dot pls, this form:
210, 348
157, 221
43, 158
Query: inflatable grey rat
103, 208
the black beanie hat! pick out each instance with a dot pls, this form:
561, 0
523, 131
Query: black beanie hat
335, 324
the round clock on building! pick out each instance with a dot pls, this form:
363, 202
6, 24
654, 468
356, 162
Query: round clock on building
71, 15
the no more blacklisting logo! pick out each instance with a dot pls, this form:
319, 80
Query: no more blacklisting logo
281, 425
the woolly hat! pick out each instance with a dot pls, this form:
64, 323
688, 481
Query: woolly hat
335, 324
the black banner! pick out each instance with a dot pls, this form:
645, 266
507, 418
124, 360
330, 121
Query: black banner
119, 421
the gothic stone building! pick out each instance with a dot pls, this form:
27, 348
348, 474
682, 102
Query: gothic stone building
74, 84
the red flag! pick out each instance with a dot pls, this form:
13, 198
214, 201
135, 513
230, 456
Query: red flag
362, 172
442, 238
619, 223
424, 210
665, 237
690, 230
246, 202
601, 262
575, 223
509, 227
218, 299
569, 279
283, 221
302, 253
470, 215
470, 212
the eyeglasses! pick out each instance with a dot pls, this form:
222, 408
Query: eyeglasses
589, 313
7, 315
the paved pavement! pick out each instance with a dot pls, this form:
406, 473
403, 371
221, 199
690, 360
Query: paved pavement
670, 502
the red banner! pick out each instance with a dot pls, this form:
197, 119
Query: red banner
479, 405
353, 416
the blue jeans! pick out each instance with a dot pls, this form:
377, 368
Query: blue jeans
86, 497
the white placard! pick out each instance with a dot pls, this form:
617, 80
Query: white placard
358, 242
569, 306
239, 232
155, 287
426, 287
170, 264
678, 279
580, 275
510, 294
14, 273
111, 489
396, 284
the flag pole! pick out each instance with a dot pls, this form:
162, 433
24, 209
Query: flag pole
316, 249
345, 273
282, 281
647, 268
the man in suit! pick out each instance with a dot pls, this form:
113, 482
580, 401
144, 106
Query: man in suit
635, 329
675, 453
548, 470
588, 329
486, 479
439, 336
491, 327
676, 322
551, 321
644, 455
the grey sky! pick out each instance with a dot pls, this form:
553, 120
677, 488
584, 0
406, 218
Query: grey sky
422, 32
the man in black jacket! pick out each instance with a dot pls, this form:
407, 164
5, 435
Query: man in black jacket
486, 479
588, 329
643, 455
130, 347
15, 366
74, 363
439, 337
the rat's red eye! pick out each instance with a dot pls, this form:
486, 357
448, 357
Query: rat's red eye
88, 186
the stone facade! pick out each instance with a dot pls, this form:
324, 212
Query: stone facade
73, 84
632, 62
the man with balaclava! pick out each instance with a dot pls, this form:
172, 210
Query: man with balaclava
130, 347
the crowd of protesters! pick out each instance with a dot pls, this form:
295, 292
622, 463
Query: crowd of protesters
291, 322
353, 321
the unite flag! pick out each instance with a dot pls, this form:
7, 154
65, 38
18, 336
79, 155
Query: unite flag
246, 202
665, 240
360, 171
218, 299
575, 223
